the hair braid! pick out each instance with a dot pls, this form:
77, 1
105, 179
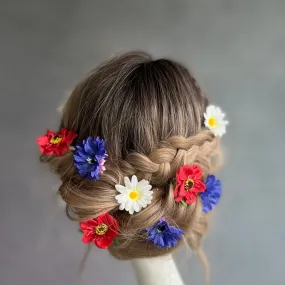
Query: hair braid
163, 162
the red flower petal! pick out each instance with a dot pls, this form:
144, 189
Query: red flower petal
87, 237
178, 198
103, 242
46, 151
190, 198
42, 140
183, 173
70, 137
63, 132
106, 219
196, 172
199, 186
179, 192
61, 148
50, 134
88, 224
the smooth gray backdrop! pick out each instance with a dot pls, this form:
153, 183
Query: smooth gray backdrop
237, 51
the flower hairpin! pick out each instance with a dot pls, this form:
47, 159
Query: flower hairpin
214, 120
102, 231
189, 184
135, 195
163, 235
89, 157
56, 143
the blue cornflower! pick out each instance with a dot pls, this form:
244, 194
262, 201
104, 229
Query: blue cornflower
89, 157
212, 194
164, 235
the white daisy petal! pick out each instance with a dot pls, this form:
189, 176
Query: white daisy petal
131, 210
121, 198
221, 116
142, 203
134, 181
122, 206
120, 188
135, 195
147, 188
127, 182
117, 197
136, 207
211, 109
128, 205
143, 183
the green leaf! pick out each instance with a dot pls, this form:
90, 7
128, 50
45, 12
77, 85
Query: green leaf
116, 241
79, 230
174, 183
184, 203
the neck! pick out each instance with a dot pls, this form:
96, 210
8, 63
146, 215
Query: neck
157, 271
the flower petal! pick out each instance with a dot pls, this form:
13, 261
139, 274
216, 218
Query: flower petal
127, 182
121, 188
136, 207
42, 140
103, 243
199, 186
122, 206
78, 158
134, 181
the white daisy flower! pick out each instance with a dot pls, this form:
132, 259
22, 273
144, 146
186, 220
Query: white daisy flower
135, 195
214, 120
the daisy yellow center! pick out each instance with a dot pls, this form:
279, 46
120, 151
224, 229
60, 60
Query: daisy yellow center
101, 229
134, 194
56, 139
189, 183
212, 122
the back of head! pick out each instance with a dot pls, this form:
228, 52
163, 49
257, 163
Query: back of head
150, 113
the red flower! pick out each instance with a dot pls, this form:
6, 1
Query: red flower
188, 183
102, 230
56, 143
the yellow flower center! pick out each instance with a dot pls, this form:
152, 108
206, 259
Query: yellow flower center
101, 229
56, 139
212, 122
189, 183
134, 194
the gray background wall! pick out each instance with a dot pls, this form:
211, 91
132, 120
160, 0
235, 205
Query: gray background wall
236, 49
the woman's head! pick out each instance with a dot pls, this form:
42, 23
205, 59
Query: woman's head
150, 113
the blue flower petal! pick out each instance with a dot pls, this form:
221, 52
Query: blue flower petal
88, 146
78, 158
212, 194
210, 180
94, 173
162, 235
82, 154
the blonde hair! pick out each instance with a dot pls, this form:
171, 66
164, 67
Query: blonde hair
150, 112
